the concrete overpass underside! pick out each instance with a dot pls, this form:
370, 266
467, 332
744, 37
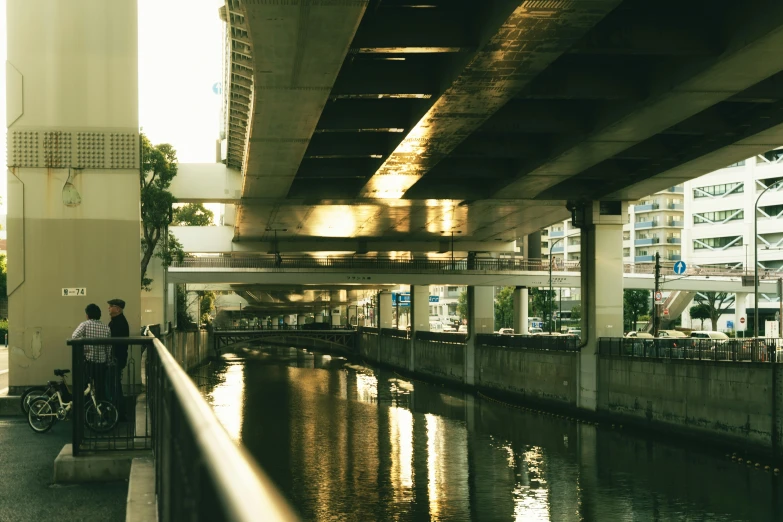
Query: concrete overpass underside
410, 119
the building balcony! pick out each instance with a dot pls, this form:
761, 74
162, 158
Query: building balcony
674, 241
673, 257
645, 224
557, 249
644, 259
646, 208
646, 241
556, 233
676, 190
676, 206
673, 223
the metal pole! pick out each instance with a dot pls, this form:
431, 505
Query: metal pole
780, 302
655, 294
550, 297
756, 259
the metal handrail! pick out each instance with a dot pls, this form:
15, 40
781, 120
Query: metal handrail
245, 491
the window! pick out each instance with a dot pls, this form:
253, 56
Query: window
738, 164
772, 210
719, 190
641, 253
720, 216
545, 244
626, 235
574, 241
716, 242
626, 252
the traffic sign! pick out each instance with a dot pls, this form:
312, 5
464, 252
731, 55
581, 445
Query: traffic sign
679, 267
665, 311
658, 297
742, 320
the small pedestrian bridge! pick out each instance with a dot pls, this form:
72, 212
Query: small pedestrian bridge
342, 339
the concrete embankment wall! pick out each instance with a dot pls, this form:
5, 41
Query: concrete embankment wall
738, 401
533, 374
190, 349
441, 360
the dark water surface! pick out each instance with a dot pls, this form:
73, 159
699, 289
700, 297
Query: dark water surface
347, 442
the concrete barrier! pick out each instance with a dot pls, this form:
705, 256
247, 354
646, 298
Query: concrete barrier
733, 401
441, 360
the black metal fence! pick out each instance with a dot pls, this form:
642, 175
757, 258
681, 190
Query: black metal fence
733, 350
268, 328
560, 343
443, 337
113, 415
394, 332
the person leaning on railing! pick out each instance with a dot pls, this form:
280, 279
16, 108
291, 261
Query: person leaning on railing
96, 357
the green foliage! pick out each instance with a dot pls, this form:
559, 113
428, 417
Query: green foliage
700, 312
504, 308
181, 299
540, 302
159, 167
3, 277
462, 305
3, 329
576, 312
207, 306
193, 215
716, 303
635, 303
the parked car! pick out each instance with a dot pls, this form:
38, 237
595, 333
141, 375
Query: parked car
671, 343
463, 328
642, 344
506, 331
535, 331
574, 331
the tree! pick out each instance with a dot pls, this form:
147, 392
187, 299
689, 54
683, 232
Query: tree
207, 305
462, 305
540, 301
576, 312
193, 215
504, 308
700, 312
716, 303
635, 303
158, 169
183, 318
3, 278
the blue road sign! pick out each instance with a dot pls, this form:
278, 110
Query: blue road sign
434, 299
679, 267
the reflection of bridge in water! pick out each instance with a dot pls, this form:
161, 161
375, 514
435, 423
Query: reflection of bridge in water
340, 339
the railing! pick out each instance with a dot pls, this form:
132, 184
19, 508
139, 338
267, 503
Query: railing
443, 337
395, 332
676, 206
676, 190
732, 350
559, 343
353, 263
646, 241
646, 207
200, 474
267, 328
674, 240
645, 224
125, 412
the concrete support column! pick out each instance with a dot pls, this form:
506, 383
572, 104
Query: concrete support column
602, 289
300, 320
740, 311
520, 310
73, 175
533, 246
481, 319
319, 318
420, 318
385, 310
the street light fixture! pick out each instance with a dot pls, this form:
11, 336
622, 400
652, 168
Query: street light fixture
756, 259
551, 247
452, 244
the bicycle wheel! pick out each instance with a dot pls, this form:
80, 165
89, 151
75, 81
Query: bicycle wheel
41, 416
101, 419
30, 394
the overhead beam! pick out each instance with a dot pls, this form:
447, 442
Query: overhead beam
532, 36
365, 115
413, 30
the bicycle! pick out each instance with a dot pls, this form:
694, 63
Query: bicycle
100, 415
34, 392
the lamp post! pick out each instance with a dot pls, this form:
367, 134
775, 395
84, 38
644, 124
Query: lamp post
551, 247
756, 259
452, 243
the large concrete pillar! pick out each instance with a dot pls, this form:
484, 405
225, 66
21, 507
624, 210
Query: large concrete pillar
602, 289
533, 246
481, 319
520, 310
420, 318
73, 174
740, 311
385, 310
319, 318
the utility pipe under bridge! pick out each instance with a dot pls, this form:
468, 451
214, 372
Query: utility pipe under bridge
479, 272
342, 340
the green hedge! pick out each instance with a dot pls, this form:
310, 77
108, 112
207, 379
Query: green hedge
3, 330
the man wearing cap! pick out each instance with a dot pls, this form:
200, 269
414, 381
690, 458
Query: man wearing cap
119, 328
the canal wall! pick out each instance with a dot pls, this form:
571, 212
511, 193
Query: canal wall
534, 374
190, 349
741, 402
441, 360
394, 351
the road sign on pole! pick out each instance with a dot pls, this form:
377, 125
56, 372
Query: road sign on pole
679, 267
665, 311
658, 297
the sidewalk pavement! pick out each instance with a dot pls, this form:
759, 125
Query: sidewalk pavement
26, 470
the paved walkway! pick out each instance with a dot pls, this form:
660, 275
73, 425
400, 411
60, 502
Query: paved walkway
26, 489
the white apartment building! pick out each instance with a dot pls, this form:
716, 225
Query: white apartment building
720, 222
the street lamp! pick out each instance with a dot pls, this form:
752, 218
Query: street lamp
551, 247
756, 259
452, 244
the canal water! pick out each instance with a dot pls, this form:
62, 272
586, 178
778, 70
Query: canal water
349, 442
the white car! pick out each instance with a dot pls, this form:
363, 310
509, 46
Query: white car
535, 331
506, 331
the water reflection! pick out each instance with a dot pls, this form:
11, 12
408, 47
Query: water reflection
351, 442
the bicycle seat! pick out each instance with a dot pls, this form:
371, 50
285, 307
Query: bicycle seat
61, 373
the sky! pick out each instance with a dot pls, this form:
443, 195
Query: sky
180, 59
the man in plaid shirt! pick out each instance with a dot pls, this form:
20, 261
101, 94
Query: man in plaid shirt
96, 357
